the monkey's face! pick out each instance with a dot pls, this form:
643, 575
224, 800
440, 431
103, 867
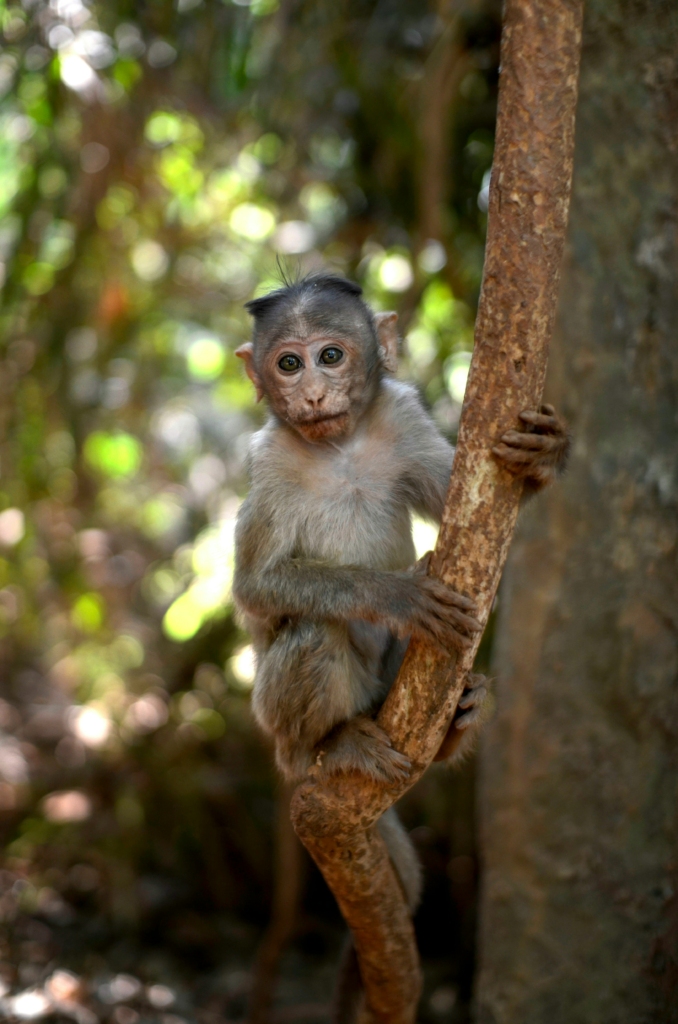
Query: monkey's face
320, 385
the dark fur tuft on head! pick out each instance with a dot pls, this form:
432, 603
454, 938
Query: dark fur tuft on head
317, 302
305, 286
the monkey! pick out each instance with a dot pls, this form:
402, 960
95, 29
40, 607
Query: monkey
325, 574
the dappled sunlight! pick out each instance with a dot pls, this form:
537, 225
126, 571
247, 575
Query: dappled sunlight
424, 535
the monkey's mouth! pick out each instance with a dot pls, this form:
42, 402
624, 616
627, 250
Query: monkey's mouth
326, 418
326, 425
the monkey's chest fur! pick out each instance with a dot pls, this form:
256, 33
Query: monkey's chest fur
347, 508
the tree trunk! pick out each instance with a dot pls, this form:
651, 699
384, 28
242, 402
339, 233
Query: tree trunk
529, 198
579, 907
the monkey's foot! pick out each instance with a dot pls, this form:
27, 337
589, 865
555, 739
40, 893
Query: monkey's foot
361, 746
472, 702
471, 712
539, 453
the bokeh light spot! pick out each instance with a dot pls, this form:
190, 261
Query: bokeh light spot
88, 613
456, 374
69, 805
253, 222
205, 358
114, 455
243, 666
395, 274
12, 527
91, 726
149, 260
182, 619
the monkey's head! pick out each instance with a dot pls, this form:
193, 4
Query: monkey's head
318, 354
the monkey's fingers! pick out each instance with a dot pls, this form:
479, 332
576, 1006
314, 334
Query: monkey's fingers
536, 467
395, 766
450, 615
446, 595
512, 457
445, 635
533, 442
542, 420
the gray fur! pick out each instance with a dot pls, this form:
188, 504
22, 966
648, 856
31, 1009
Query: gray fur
323, 566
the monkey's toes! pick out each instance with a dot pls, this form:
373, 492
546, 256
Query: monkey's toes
361, 746
468, 718
472, 698
472, 701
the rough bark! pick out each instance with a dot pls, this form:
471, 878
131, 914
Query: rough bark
527, 218
579, 913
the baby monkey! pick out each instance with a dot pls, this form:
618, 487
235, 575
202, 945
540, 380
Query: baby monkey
325, 565
325, 572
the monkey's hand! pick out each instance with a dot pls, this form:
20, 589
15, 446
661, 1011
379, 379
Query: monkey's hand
539, 454
472, 712
361, 746
437, 612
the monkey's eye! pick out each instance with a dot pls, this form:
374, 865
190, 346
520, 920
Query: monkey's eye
331, 355
289, 363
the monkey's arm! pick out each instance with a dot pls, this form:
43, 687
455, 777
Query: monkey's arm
538, 455
271, 584
426, 459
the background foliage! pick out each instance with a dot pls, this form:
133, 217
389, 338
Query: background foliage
156, 160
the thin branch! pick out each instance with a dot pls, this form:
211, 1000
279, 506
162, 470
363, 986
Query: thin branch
529, 196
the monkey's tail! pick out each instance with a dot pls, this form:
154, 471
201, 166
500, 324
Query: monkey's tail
349, 987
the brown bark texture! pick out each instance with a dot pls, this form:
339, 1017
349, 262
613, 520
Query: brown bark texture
579, 767
529, 197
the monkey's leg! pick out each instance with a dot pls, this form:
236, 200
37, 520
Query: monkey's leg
360, 745
310, 685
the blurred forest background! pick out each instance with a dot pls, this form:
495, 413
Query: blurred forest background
157, 159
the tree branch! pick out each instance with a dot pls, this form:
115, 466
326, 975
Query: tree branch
529, 196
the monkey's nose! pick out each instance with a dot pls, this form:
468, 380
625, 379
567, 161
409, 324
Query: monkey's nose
315, 401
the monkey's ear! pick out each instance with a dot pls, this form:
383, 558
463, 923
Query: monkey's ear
246, 353
387, 333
